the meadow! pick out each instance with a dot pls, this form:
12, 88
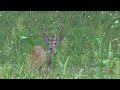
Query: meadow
90, 48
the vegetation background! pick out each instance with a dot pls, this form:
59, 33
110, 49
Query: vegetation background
90, 48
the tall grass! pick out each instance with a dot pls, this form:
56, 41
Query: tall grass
90, 47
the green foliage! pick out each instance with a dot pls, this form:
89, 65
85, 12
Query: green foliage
90, 47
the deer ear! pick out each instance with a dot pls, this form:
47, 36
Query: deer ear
59, 38
45, 37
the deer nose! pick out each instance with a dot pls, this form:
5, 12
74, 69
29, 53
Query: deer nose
51, 48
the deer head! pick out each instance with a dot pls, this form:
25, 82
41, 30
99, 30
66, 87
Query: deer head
52, 42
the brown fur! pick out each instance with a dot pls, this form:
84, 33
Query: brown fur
37, 56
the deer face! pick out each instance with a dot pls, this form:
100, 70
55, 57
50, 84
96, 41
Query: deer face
52, 42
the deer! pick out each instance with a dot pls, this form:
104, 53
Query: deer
38, 53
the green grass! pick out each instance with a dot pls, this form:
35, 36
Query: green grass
90, 48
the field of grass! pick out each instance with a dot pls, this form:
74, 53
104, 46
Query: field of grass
90, 48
